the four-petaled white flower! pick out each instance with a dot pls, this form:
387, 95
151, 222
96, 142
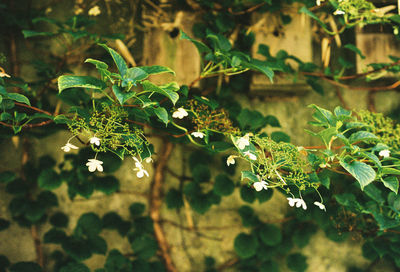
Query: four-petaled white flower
243, 142
198, 134
94, 11
250, 155
259, 185
299, 202
140, 169
95, 140
320, 205
339, 12
230, 160
180, 113
384, 153
94, 165
67, 147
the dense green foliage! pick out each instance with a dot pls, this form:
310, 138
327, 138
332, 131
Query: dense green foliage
352, 179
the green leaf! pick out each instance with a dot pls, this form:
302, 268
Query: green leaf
249, 219
97, 245
162, 114
25, 266
270, 235
201, 173
201, 47
157, 69
59, 220
260, 66
373, 192
117, 262
250, 176
223, 185
75, 267
55, 236
107, 184
144, 246
32, 33
220, 42
137, 209
279, 136
362, 136
99, 64
7, 176
245, 245
78, 249
247, 194
312, 15
135, 74
353, 48
339, 112
272, 121
390, 171
65, 82
324, 116
362, 172
297, 262
89, 224
172, 95
49, 179
119, 61
264, 195
18, 98
392, 183
174, 199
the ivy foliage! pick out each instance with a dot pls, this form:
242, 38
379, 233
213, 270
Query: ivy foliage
352, 179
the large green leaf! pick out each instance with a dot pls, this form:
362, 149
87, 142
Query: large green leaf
65, 82
119, 61
362, 136
150, 87
201, 47
49, 179
245, 245
392, 183
362, 172
157, 69
121, 95
162, 114
19, 98
260, 66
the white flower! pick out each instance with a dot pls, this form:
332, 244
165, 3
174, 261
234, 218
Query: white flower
148, 160
320, 205
180, 113
94, 11
94, 165
298, 201
230, 160
384, 153
4, 74
292, 201
67, 147
250, 155
259, 185
339, 12
301, 203
318, 2
95, 140
243, 142
198, 134
140, 169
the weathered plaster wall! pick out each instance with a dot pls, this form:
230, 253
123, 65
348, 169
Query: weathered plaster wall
216, 229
